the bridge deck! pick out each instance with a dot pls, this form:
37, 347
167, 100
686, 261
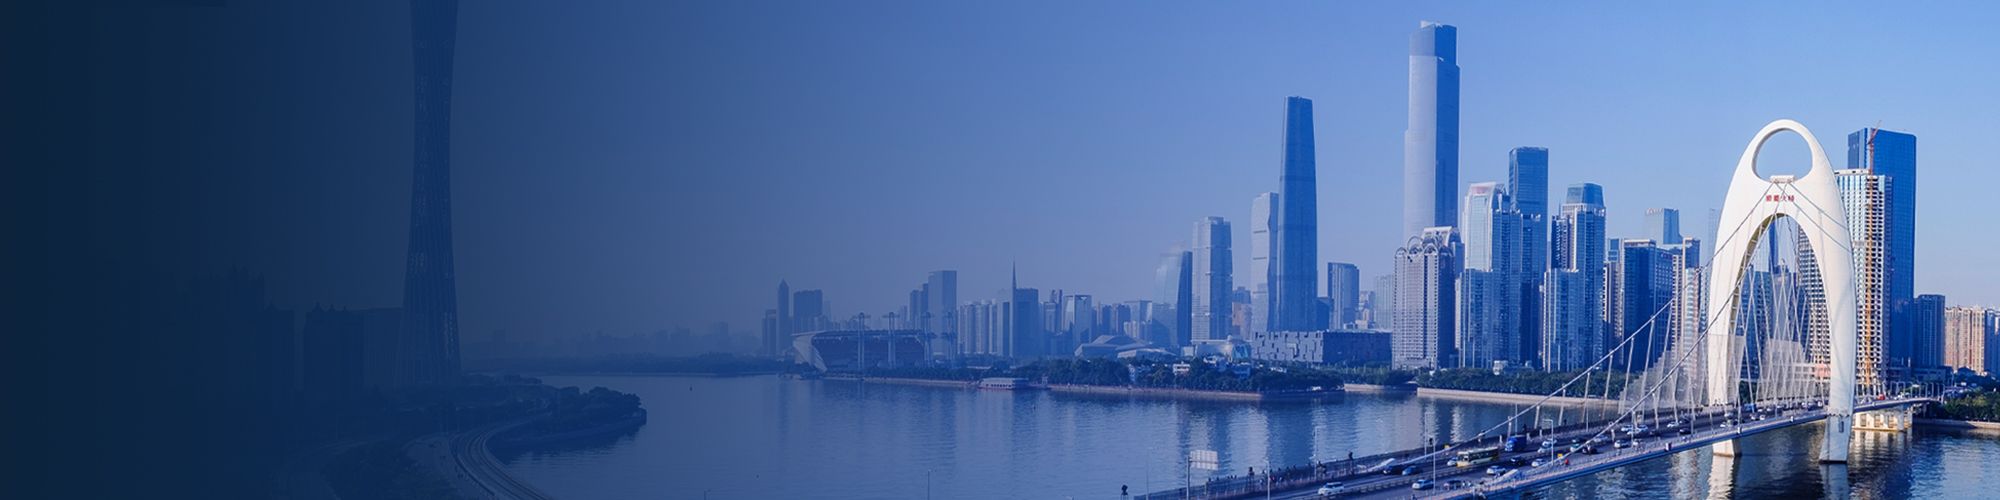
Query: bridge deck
1474, 482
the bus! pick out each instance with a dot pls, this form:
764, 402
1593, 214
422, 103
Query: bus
1478, 456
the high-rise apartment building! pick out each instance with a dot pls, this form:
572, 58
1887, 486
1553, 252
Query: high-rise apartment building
1893, 156
1426, 277
1212, 304
1865, 198
1966, 332
1645, 281
1430, 144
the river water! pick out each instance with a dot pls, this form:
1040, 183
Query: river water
766, 437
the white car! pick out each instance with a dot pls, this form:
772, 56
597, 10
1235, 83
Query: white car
1332, 489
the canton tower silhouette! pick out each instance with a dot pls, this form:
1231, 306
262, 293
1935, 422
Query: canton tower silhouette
429, 345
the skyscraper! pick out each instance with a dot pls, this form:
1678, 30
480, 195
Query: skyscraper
1296, 258
1865, 199
1211, 279
1572, 333
1927, 316
1430, 144
941, 307
1263, 276
1893, 155
1663, 225
1343, 291
1426, 277
430, 290
786, 325
1021, 321
808, 311
1965, 334
1184, 301
1528, 175
1489, 289
1646, 279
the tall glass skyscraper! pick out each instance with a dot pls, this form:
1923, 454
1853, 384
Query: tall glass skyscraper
1528, 175
429, 353
1430, 144
1343, 292
1263, 255
1572, 331
1295, 303
1489, 300
1211, 279
1893, 155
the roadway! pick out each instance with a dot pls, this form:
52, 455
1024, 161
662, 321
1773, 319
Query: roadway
467, 462
1455, 482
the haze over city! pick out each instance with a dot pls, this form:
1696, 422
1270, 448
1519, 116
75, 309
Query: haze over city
852, 150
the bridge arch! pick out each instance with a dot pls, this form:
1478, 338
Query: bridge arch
1813, 200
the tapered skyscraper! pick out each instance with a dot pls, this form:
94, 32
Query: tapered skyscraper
429, 353
1430, 144
1296, 259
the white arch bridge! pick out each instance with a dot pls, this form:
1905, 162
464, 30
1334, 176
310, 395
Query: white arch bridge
1745, 360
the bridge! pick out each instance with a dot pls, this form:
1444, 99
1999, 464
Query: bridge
1757, 350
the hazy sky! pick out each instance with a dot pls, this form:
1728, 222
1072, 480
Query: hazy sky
635, 166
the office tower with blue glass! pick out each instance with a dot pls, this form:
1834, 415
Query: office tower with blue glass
1343, 293
1528, 178
1893, 155
1489, 289
1572, 333
1430, 144
1295, 262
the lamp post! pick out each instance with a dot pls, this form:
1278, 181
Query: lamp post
927, 483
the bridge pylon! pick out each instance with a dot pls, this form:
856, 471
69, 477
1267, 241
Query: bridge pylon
1814, 201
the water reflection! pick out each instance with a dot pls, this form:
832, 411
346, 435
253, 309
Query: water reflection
763, 437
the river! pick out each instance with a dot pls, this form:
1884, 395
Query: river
766, 437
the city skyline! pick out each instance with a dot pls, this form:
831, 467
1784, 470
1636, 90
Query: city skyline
1213, 150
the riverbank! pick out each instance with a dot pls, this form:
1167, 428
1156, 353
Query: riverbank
1958, 424
1106, 390
1178, 393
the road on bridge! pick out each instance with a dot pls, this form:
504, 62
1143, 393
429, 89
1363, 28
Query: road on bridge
1515, 471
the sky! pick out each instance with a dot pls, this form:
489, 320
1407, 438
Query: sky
633, 166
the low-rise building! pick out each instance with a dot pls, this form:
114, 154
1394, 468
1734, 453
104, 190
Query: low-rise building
1336, 346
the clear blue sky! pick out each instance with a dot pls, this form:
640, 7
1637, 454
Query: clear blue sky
633, 166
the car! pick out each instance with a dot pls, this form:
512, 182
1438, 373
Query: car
1726, 423
1422, 484
1496, 470
1549, 444
1539, 462
1622, 444
1589, 450
1641, 429
1456, 483
1625, 429
1673, 423
1576, 448
1332, 489
1600, 439
1685, 431
1411, 470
